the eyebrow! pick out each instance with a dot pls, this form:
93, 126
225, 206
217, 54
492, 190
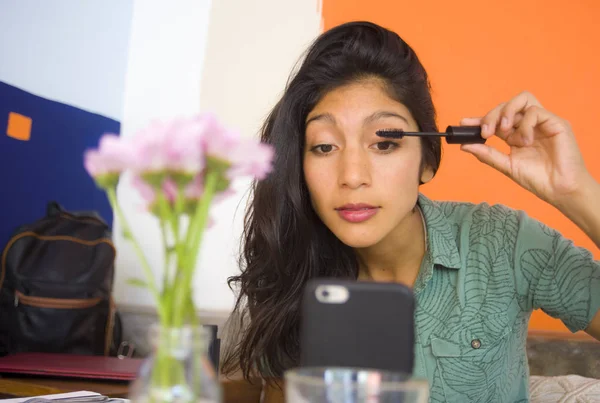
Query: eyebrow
327, 117
384, 114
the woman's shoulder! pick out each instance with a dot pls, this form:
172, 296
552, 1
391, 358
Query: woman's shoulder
466, 212
485, 220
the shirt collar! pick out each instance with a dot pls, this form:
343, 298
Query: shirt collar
441, 242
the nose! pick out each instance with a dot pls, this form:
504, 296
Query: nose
354, 169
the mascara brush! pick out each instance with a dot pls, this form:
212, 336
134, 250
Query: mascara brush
453, 134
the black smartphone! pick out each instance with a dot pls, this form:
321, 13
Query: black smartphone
360, 324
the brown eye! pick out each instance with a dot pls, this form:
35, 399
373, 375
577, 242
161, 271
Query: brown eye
322, 149
386, 146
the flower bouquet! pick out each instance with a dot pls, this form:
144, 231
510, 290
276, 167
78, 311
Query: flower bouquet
180, 168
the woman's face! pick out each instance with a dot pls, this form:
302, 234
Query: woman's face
361, 186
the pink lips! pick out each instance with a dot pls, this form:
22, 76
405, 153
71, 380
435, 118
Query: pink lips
356, 213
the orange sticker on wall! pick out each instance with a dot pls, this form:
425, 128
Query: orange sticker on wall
19, 126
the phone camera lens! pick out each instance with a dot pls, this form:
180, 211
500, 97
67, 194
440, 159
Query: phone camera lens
325, 293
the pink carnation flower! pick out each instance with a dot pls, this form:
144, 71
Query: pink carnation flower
113, 156
246, 156
251, 158
174, 146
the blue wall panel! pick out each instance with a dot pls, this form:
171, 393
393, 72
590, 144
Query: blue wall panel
49, 166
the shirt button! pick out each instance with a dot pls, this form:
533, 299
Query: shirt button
476, 343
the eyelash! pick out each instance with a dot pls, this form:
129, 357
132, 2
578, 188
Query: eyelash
392, 145
316, 148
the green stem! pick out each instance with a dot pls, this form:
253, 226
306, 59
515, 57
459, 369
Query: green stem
169, 368
172, 216
166, 212
166, 218
161, 375
179, 200
112, 197
192, 309
193, 241
179, 247
166, 290
200, 218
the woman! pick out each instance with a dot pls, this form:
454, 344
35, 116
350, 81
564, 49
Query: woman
343, 202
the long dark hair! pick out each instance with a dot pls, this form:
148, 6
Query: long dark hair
285, 243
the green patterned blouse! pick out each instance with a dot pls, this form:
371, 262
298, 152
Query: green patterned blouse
486, 269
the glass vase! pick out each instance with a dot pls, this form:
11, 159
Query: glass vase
178, 369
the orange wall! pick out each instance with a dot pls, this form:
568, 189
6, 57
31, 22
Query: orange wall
479, 54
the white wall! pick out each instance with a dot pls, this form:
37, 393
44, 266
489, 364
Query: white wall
164, 70
234, 63
73, 52
252, 47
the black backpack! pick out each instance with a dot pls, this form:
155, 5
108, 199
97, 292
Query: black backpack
56, 284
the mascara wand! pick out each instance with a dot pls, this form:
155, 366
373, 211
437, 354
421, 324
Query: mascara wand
453, 134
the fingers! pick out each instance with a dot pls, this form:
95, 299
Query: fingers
514, 137
470, 121
520, 103
527, 125
515, 121
502, 119
490, 121
518, 117
490, 156
534, 117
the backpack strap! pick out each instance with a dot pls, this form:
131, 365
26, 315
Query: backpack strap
110, 323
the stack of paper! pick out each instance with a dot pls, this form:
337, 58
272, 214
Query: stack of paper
83, 396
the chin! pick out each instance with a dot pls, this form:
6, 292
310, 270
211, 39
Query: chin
358, 242
356, 236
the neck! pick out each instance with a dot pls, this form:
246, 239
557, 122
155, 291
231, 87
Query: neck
397, 258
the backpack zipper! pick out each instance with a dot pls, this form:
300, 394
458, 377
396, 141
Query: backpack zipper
56, 303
